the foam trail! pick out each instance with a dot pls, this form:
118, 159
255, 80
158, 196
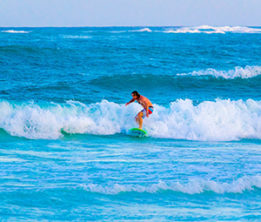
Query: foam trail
15, 31
220, 120
214, 30
237, 72
195, 186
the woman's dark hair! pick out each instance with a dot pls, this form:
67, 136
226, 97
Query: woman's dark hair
136, 94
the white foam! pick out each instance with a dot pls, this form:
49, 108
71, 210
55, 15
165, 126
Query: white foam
214, 30
143, 30
15, 31
220, 120
194, 186
8, 159
135, 30
238, 72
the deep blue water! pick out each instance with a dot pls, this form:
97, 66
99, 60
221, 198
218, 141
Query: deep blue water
65, 152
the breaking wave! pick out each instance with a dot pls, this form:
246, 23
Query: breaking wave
237, 72
220, 120
131, 30
214, 30
143, 30
195, 186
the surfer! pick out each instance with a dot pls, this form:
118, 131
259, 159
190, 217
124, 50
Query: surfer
147, 107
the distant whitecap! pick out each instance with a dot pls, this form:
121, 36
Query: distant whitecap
214, 29
16, 31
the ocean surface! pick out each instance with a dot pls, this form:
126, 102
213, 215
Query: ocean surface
65, 152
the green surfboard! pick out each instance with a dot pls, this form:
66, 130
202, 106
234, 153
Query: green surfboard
138, 132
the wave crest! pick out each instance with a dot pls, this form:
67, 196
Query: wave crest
214, 30
237, 72
143, 30
195, 186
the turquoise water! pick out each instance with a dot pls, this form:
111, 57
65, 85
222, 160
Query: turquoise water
64, 149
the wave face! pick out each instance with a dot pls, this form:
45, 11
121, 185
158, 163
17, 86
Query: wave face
195, 186
215, 30
237, 72
218, 120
